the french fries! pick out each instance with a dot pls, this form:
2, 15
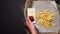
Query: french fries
45, 17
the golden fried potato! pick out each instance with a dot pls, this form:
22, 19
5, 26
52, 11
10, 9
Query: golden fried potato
45, 17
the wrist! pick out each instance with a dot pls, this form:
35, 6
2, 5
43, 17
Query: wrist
33, 31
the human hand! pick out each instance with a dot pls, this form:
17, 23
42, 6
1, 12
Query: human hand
30, 25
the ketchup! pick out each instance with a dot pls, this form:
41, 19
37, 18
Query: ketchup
31, 18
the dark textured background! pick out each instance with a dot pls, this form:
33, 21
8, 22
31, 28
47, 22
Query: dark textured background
11, 15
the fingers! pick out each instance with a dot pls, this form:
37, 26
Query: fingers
28, 20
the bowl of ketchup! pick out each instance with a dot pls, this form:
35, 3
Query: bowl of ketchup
31, 18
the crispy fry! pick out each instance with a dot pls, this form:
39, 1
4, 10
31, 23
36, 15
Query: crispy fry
44, 17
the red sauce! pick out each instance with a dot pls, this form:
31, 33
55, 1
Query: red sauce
31, 18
